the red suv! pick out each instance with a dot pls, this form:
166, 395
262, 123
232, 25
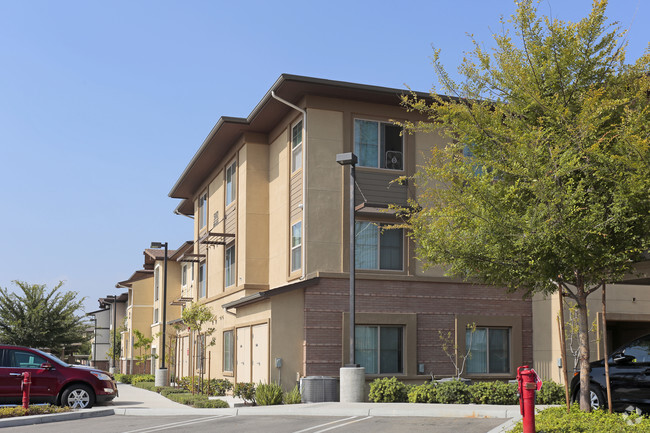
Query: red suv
53, 381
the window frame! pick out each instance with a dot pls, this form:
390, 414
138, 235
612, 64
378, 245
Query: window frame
230, 261
380, 145
156, 284
230, 178
202, 286
488, 330
378, 349
184, 275
203, 210
297, 148
295, 248
378, 226
229, 351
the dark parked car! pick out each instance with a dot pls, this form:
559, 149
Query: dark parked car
629, 373
53, 381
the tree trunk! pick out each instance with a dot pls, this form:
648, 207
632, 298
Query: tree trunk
583, 333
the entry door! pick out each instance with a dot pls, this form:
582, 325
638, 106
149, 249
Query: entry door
243, 354
260, 353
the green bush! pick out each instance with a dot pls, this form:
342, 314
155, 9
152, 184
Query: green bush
245, 391
452, 392
556, 420
425, 393
210, 387
268, 394
123, 378
551, 393
14, 411
137, 378
293, 396
494, 393
197, 400
166, 390
385, 390
149, 386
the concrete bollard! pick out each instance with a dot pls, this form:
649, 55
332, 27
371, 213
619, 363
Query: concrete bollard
161, 377
353, 384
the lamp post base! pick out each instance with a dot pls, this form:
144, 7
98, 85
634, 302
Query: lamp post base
353, 384
161, 377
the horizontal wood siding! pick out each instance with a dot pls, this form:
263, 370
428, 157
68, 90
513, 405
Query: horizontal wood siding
295, 197
377, 188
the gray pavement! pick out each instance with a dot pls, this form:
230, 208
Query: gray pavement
137, 401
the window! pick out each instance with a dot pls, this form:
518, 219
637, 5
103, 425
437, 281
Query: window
296, 246
202, 280
230, 265
380, 349
21, 359
296, 147
231, 181
228, 351
155, 315
489, 350
203, 210
377, 247
184, 275
378, 144
156, 283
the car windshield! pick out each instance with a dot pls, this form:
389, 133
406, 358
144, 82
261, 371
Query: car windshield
52, 357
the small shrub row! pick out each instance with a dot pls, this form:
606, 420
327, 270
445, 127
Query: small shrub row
245, 391
389, 390
197, 400
268, 394
557, 420
293, 396
137, 378
216, 387
14, 411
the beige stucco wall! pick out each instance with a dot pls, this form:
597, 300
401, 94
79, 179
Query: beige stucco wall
325, 195
278, 187
287, 338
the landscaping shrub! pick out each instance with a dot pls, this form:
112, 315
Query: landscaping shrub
452, 392
551, 393
425, 393
494, 393
385, 390
149, 386
123, 378
14, 411
556, 420
245, 391
197, 400
210, 387
166, 390
293, 396
268, 394
136, 378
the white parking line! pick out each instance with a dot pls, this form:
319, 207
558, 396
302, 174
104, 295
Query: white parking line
178, 424
343, 425
326, 424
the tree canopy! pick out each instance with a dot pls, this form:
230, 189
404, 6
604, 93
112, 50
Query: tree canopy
40, 318
545, 181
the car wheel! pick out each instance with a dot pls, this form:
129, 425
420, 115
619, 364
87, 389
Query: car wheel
78, 396
596, 397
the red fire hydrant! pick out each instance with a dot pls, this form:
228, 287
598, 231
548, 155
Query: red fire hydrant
528, 383
25, 385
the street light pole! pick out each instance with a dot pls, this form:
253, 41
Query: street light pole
164, 307
114, 305
351, 160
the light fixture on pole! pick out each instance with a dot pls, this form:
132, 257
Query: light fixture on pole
164, 309
350, 159
114, 307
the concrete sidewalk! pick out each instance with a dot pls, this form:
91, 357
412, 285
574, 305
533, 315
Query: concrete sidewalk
137, 401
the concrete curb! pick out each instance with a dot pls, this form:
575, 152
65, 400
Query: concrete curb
55, 417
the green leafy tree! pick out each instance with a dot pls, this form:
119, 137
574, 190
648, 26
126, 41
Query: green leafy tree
40, 318
195, 317
143, 345
544, 183
115, 335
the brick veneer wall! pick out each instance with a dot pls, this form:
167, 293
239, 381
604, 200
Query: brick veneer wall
436, 305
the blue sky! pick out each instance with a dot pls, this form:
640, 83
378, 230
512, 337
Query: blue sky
103, 104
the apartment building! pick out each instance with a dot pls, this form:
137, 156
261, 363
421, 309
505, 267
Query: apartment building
270, 252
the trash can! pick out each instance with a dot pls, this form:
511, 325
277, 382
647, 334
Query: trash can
318, 389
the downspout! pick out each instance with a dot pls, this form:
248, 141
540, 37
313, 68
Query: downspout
304, 180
